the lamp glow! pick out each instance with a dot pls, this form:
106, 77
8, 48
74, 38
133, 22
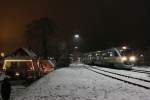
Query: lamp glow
76, 35
124, 47
2, 54
17, 74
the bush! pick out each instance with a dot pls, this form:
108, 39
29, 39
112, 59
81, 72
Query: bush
63, 61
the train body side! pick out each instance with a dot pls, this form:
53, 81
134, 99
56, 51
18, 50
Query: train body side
108, 58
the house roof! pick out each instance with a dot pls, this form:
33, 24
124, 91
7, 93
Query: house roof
21, 53
30, 53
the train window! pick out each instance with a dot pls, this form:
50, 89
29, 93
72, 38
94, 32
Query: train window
89, 57
97, 57
126, 52
106, 55
115, 54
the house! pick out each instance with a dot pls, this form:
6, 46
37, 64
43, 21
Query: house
25, 63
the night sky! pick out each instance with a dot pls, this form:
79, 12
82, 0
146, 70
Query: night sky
101, 23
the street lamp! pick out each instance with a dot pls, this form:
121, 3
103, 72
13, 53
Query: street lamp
76, 36
76, 47
76, 41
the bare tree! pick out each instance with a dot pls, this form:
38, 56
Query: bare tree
41, 39
38, 34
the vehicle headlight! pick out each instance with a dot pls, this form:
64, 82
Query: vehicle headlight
124, 58
132, 58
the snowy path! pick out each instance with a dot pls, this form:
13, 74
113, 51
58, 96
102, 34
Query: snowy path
78, 83
16, 91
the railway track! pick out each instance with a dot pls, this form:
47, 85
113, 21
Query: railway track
146, 80
125, 78
141, 71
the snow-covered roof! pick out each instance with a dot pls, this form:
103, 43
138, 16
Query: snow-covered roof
21, 53
29, 52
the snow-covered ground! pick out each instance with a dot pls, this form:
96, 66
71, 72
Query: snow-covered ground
78, 83
2, 76
146, 68
120, 77
15, 91
127, 73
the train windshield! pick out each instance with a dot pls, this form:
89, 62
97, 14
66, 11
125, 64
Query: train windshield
126, 52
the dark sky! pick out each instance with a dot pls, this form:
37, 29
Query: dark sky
101, 22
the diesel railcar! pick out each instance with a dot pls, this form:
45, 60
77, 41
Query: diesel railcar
113, 58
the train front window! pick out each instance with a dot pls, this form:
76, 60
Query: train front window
126, 52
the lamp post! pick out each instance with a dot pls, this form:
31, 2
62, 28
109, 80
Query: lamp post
76, 38
75, 47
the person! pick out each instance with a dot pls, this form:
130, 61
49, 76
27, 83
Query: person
5, 89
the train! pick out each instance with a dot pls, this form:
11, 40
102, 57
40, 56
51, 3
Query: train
113, 58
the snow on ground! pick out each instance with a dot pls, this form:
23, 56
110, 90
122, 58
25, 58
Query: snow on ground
16, 91
125, 72
146, 68
2, 76
78, 83
124, 78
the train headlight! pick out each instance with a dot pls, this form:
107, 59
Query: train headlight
124, 58
132, 58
